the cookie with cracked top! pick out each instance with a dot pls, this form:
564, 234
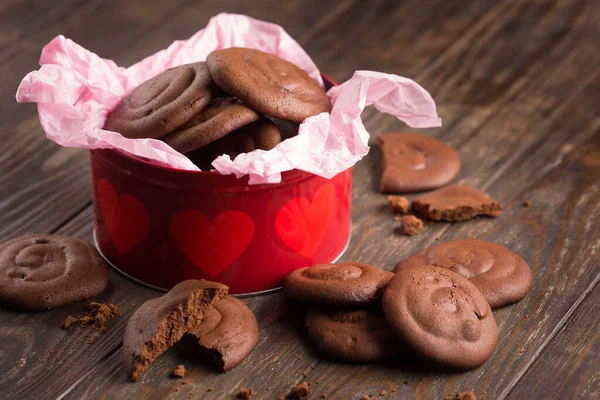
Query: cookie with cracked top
441, 316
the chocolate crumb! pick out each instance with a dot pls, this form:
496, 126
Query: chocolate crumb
300, 391
527, 203
246, 393
462, 396
179, 372
97, 317
411, 225
68, 322
398, 204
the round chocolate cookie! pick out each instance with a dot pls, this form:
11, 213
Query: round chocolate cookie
43, 272
413, 162
262, 134
343, 284
228, 333
161, 322
441, 315
268, 84
223, 115
501, 275
456, 203
360, 336
162, 104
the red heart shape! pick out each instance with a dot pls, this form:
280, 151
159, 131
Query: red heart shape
127, 219
212, 247
301, 225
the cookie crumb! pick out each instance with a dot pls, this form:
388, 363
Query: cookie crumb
179, 372
462, 396
411, 225
92, 339
365, 397
246, 393
306, 374
383, 393
97, 317
68, 322
300, 391
398, 204
527, 203
210, 389
324, 395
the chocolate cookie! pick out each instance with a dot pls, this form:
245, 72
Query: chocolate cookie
223, 115
501, 275
160, 322
262, 134
164, 103
43, 272
441, 315
268, 84
456, 203
413, 162
361, 336
343, 284
228, 333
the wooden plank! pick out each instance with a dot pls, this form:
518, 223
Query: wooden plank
570, 366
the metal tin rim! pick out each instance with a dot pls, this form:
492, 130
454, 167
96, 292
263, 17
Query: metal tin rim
239, 296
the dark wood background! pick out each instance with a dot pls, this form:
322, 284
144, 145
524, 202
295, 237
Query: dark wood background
517, 83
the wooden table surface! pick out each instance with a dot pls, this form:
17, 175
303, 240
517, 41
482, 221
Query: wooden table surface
517, 84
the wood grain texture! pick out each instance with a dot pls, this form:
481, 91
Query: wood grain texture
577, 345
517, 85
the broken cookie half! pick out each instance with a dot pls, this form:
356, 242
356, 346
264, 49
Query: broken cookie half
161, 322
227, 334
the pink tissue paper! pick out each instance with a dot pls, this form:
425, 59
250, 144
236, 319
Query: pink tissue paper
76, 89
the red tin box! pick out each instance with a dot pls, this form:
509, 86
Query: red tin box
161, 225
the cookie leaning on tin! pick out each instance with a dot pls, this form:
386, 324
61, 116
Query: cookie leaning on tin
43, 272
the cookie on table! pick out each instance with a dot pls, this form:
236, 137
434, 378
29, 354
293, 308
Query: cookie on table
357, 336
227, 333
500, 275
221, 116
441, 316
162, 104
161, 322
342, 284
262, 134
43, 272
456, 203
414, 162
268, 84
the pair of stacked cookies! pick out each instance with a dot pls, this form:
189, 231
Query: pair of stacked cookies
233, 103
438, 303
222, 328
